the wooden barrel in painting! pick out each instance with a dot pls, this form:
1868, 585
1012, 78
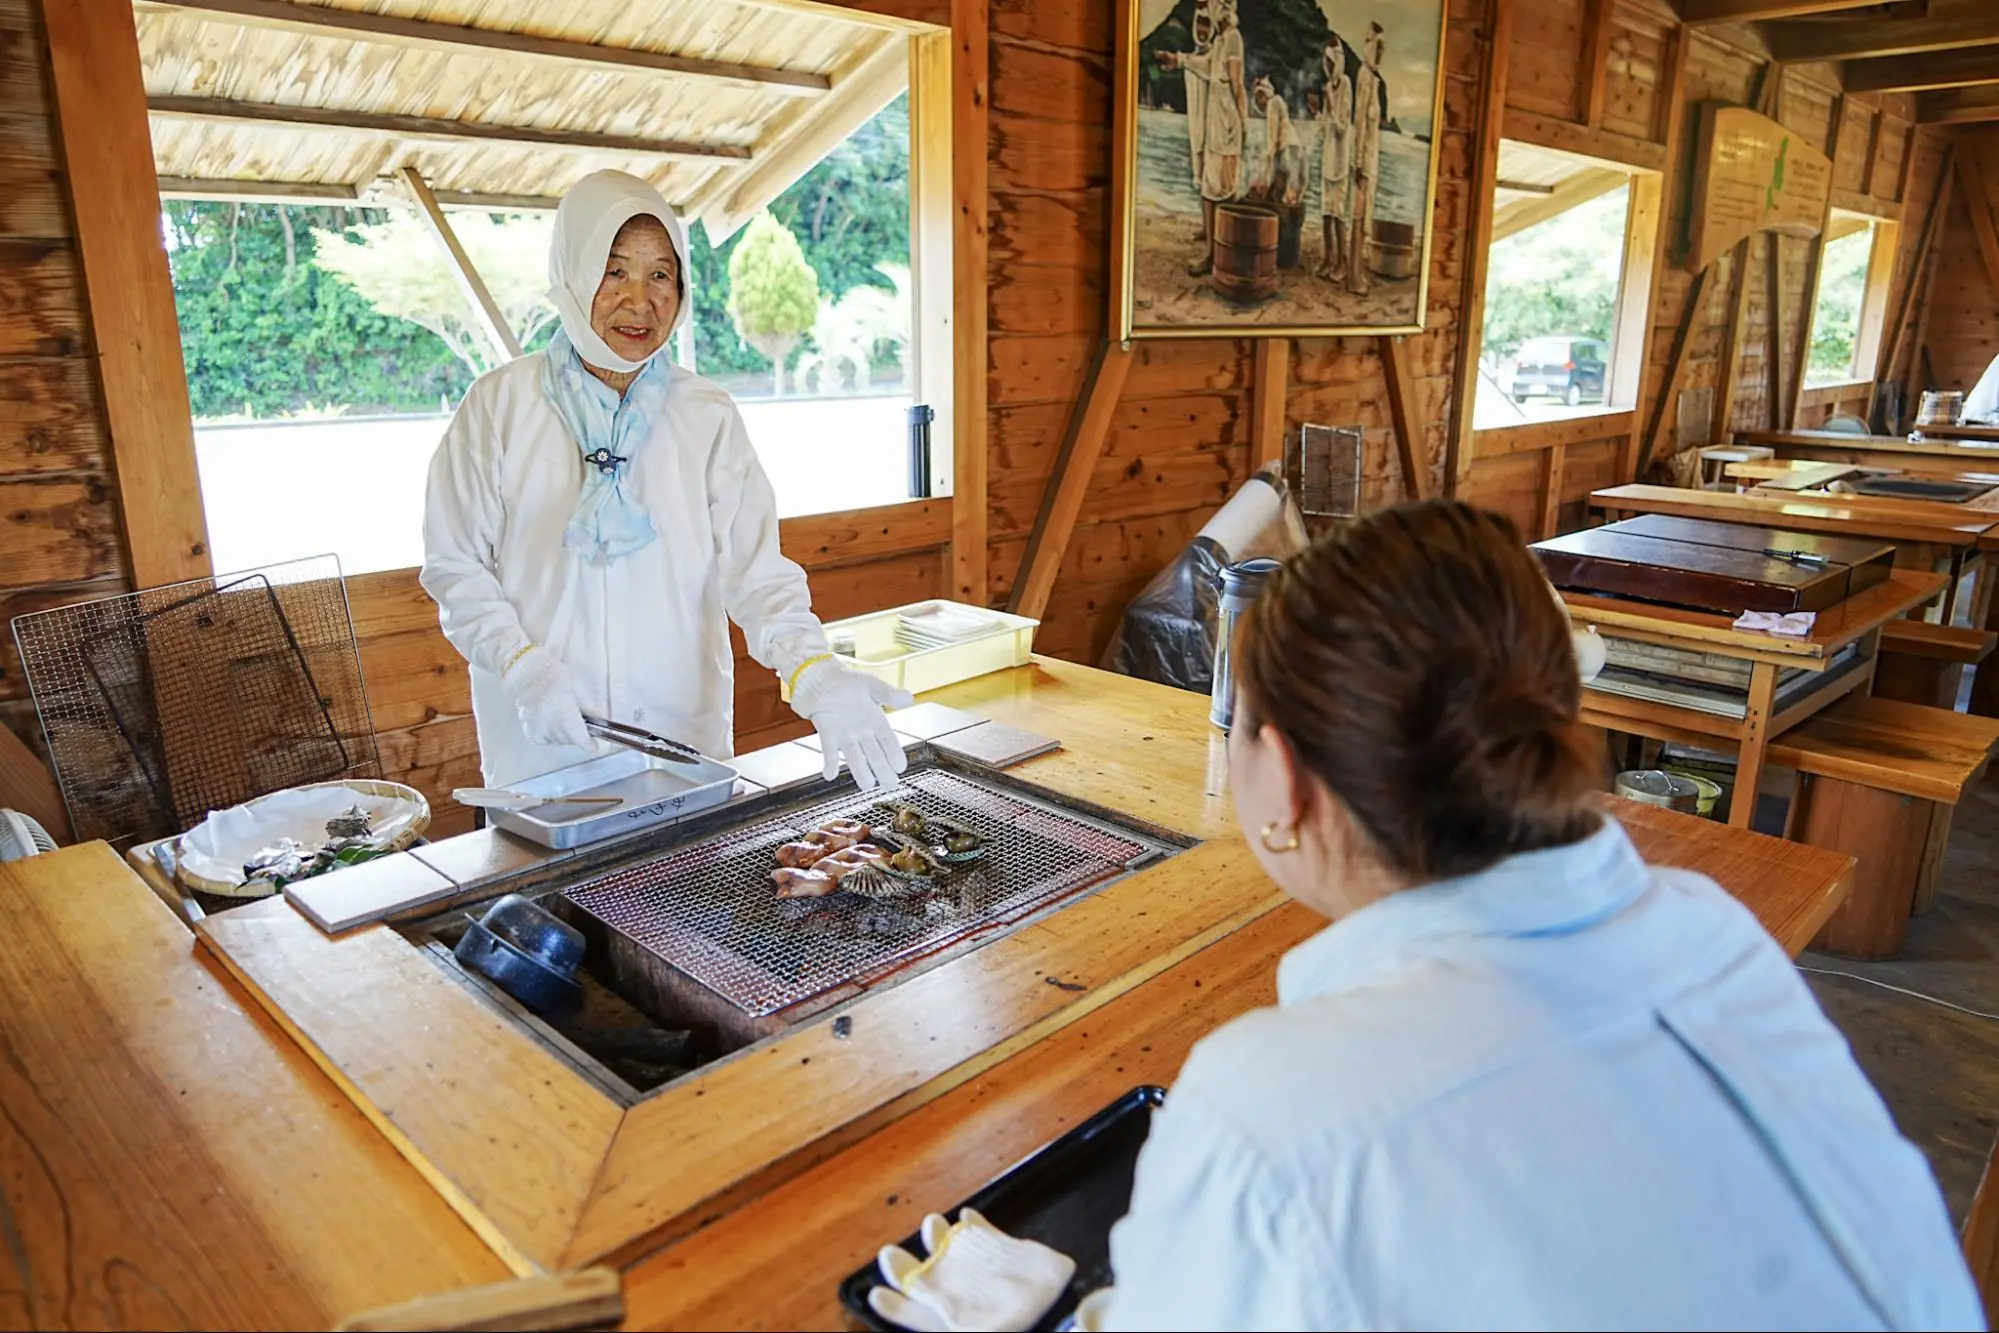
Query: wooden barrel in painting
1245, 253
1393, 254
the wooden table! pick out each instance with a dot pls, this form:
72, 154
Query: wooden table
1923, 455
1985, 434
834, 1217
1857, 619
197, 1167
1926, 535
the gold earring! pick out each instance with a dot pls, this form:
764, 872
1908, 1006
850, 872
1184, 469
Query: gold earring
1290, 845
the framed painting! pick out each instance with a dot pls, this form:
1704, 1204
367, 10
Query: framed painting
1276, 166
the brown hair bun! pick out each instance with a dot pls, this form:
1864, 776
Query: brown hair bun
1417, 665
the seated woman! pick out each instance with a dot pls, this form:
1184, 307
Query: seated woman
1524, 1079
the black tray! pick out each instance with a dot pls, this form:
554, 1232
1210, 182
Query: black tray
1068, 1195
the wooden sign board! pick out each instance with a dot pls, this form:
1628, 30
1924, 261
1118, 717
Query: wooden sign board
1753, 175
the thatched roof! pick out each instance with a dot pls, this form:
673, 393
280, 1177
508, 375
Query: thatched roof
720, 103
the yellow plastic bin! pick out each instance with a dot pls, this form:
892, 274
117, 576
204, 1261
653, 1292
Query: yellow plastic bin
927, 645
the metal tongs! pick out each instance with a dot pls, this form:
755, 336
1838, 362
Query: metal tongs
637, 738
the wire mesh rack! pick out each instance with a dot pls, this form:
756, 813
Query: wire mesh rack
709, 910
161, 705
1324, 466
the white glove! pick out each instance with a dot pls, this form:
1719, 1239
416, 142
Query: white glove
551, 710
845, 707
976, 1277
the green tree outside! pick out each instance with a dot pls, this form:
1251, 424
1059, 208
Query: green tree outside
773, 292
1558, 277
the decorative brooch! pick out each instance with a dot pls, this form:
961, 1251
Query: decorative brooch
605, 460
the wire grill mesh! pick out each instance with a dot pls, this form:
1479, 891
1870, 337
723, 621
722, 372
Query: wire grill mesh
164, 704
1325, 469
710, 910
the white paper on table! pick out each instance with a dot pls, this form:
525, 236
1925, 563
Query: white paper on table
1791, 624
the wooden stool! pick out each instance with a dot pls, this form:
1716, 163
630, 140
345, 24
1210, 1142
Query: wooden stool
1981, 1237
1878, 779
1921, 663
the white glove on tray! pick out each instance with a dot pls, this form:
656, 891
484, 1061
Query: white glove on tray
845, 707
551, 709
976, 1277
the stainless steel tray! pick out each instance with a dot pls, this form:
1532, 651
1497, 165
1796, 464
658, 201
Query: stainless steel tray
654, 791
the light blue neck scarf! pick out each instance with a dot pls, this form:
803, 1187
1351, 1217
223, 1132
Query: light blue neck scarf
607, 524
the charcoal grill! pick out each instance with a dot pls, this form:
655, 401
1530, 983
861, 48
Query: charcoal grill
692, 934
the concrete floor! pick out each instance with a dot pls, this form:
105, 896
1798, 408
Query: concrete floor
1937, 1069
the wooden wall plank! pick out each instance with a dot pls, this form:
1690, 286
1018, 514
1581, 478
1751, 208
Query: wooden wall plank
41, 299
971, 91
50, 417
1494, 96
57, 529
100, 99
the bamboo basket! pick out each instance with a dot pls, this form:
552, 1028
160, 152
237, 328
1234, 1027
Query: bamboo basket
362, 786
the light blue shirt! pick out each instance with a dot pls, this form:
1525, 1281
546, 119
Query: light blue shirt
1569, 1092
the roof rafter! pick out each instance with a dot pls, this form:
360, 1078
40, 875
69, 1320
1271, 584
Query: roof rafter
1744, 11
430, 127
1907, 74
1959, 106
1856, 38
285, 14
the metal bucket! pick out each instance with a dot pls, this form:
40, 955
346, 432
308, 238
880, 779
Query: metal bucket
1245, 253
1654, 787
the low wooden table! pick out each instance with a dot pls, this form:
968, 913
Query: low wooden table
1875, 450
1988, 434
776, 1263
1857, 619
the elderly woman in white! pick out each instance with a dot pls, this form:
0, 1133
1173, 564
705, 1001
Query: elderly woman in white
596, 516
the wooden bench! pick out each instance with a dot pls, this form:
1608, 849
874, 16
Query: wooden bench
1921, 663
1878, 779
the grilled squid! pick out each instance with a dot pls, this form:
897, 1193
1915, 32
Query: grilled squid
847, 828
801, 855
793, 883
831, 842
848, 860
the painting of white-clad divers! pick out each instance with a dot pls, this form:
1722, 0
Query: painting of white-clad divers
1277, 163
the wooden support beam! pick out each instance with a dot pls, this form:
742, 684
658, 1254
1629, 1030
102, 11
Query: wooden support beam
1923, 73
1978, 203
1858, 38
1549, 519
1745, 11
1891, 352
1564, 136
27, 785
100, 98
1777, 329
1676, 370
485, 310
1062, 502
1577, 190
1402, 411
854, 101
286, 16
971, 76
1959, 106
1273, 380
434, 128
1597, 32
1458, 445
1665, 188
1733, 340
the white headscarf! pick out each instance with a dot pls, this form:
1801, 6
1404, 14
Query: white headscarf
586, 222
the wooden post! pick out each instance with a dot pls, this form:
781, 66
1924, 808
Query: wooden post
1478, 243
1089, 427
932, 248
1786, 416
970, 80
1639, 446
107, 150
1776, 327
1273, 376
1978, 203
1402, 411
1553, 460
1723, 410
1891, 352
1676, 370
1597, 32
484, 307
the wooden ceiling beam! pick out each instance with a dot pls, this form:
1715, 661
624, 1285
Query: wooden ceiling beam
1745, 11
1577, 190
432, 128
1961, 68
1958, 106
1858, 38
391, 28
332, 194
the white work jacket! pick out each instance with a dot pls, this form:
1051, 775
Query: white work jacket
645, 638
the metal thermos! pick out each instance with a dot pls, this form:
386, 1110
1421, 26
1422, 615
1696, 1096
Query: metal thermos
920, 417
1240, 585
